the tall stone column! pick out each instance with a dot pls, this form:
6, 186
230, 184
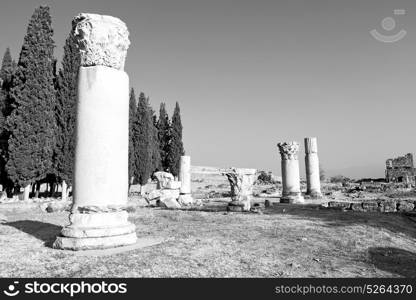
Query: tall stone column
241, 183
290, 173
313, 180
185, 197
98, 216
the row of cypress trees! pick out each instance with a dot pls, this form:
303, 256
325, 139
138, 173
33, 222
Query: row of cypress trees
38, 116
154, 144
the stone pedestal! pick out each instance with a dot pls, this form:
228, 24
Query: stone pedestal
98, 216
313, 180
290, 173
241, 182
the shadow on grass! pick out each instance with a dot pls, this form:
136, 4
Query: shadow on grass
394, 222
394, 260
45, 232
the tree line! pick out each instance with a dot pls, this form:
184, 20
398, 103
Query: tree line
38, 118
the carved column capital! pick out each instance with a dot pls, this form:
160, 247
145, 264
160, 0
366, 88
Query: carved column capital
101, 40
289, 150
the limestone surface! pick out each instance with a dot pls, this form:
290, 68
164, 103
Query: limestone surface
185, 174
241, 181
163, 179
185, 200
313, 180
290, 172
169, 202
289, 150
102, 40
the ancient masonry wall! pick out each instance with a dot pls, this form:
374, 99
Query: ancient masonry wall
400, 169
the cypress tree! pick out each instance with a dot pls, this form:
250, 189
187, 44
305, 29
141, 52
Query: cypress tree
155, 146
6, 67
132, 118
6, 75
65, 114
176, 149
163, 127
32, 122
142, 141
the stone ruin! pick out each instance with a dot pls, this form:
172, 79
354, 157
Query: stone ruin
99, 217
241, 183
290, 173
291, 192
401, 170
171, 193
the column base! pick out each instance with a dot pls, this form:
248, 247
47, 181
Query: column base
315, 195
238, 206
293, 198
89, 243
96, 231
185, 199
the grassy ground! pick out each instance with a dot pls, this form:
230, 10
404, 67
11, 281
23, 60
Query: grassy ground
283, 241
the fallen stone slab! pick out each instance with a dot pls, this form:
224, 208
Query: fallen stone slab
174, 185
169, 203
169, 194
185, 200
58, 206
140, 244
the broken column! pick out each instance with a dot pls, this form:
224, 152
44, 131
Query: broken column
185, 197
290, 173
98, 217
313, 180
241, 182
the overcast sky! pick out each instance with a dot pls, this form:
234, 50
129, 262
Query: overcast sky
249, 74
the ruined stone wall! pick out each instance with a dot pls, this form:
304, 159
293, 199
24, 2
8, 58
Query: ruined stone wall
400, 169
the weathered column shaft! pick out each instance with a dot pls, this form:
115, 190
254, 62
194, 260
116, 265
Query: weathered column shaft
102, 137
290, 172
313, 180
98, 216
185, 174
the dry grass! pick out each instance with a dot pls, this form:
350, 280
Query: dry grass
284, 241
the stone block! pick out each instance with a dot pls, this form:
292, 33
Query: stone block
339, 205
387, 206
370, 206
58, 206
357, 207
163, 179
169, 194
405, 206
82, 232
71, 243
185, 200
173, 185
169, 203
154, 195
99, 219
